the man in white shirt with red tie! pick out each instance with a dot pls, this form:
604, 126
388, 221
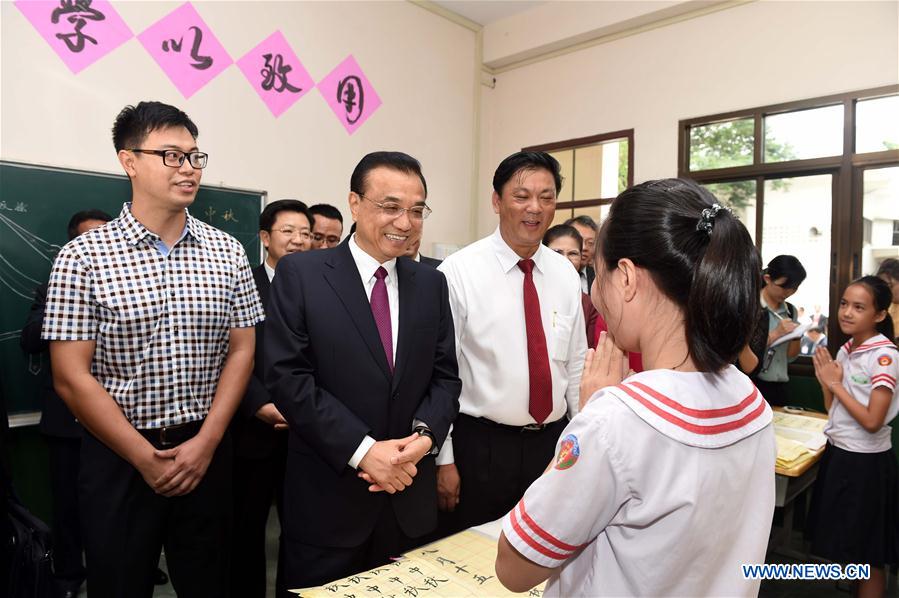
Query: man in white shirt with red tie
520, 343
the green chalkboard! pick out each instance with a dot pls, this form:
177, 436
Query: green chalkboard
36, 203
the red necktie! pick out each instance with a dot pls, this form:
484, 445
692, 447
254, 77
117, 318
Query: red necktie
380, 309
539, 377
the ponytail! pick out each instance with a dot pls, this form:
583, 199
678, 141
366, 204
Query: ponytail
725, 290
887, 328
698, 254
882, 296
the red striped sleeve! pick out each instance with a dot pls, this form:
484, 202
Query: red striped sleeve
533, 543
543, 533
884, 379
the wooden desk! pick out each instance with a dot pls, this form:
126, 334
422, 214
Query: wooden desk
790, 483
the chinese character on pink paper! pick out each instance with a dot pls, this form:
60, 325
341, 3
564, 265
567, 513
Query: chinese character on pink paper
79, 31
186, 49
275, 72
349, 94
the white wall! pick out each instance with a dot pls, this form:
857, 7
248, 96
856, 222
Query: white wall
422, 67
751, 55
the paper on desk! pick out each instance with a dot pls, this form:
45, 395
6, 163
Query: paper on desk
460, 565
795, 334
807, 430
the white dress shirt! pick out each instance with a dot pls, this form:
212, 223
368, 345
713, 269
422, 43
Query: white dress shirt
487, 300
367, 266
269, 271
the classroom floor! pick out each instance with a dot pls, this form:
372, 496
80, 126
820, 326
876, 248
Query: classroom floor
769, 589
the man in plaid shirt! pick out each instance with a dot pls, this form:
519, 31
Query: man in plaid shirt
150, 319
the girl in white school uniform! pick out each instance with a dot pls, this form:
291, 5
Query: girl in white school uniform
663, 484
853, 516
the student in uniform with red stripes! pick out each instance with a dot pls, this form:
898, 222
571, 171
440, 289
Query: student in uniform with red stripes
853, 516
674, 466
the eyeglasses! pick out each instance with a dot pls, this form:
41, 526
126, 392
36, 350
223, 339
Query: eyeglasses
175, 158
331, 239
292, 232
393, 211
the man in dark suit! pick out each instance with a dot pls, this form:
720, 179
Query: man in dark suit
360, 360
62, 432
413, 253
588, 229
259, 432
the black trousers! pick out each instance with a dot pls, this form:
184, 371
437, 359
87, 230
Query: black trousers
125, 523
257, 482
496, 465
304, 565
68, 558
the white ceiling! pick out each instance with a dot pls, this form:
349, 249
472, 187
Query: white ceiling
487, 11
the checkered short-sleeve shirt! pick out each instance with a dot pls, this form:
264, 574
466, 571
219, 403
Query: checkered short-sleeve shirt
161, 323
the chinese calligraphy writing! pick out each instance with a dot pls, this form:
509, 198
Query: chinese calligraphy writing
201, 62
80, 12
21, 207
351, 95
275, 70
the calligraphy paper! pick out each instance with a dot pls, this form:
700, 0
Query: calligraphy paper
348, 92
183, 45
460, 565
79, 31
274, 71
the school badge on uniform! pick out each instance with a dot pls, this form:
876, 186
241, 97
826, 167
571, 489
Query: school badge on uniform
569, 451
884, 360
860, 379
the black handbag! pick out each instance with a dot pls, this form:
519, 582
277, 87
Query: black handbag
29, 553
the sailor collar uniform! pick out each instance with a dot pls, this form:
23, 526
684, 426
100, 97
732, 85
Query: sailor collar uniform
662, 485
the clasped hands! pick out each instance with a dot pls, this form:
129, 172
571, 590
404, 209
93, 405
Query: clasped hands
828, 372
607, 365
390, 465
177, 471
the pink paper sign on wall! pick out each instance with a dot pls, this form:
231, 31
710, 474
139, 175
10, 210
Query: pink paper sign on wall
349, 94
186, 49
276, 73
79, 31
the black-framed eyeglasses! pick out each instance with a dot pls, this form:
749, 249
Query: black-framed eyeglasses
393, 211
175, 158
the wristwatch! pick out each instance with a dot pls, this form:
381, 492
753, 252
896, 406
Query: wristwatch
425, 431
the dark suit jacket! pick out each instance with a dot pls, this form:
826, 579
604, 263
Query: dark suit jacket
56, 419
591, 275
429, 261
328, 375
252, 437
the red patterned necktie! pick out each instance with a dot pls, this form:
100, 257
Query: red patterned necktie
539, 377
380, 309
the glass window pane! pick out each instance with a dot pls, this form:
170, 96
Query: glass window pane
562, 214
877, 124
721, 145
598, 213
797, 221
622, 169
587, 172
804, 134
566, 163
740, 196
880, 211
